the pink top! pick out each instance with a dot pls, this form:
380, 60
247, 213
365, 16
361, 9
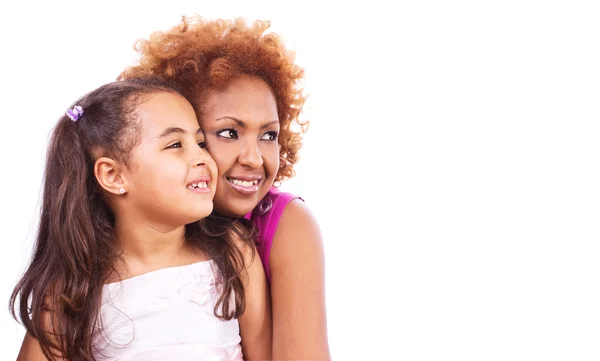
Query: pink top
266, 218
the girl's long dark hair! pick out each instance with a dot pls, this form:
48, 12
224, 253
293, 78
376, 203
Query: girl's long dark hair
58, 298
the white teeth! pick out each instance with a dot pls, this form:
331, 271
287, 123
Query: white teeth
244, 183
198, 185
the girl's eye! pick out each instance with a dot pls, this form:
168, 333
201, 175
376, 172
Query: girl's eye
228, 134
269, 136
175, 145
202, 144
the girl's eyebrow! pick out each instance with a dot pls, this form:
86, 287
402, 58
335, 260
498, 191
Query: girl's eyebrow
171, 130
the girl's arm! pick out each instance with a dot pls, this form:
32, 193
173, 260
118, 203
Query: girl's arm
31, 350
297, 269
255, 322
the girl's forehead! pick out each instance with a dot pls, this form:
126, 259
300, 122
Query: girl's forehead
166, 110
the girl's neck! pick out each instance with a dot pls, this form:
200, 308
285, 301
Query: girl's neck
146, 247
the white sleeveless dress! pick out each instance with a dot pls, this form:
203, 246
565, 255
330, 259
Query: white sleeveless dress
166, 315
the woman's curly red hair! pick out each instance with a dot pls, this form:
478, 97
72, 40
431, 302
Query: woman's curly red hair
200, 55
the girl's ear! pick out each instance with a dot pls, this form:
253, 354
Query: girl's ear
110, 175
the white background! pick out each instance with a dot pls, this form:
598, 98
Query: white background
452, 161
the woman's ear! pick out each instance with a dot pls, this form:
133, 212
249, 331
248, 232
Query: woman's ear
110, 175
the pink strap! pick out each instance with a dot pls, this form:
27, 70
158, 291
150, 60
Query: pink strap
266, 220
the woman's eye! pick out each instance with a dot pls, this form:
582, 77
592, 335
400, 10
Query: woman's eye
269, 136
227, 134
175, 145
202, 144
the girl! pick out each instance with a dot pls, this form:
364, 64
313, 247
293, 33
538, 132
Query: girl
243, 84
128, 264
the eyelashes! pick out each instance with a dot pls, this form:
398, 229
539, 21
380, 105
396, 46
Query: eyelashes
177, 145
270, 136
231, 133
228, 133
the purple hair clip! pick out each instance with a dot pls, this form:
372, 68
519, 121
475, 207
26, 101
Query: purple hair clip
75, 113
